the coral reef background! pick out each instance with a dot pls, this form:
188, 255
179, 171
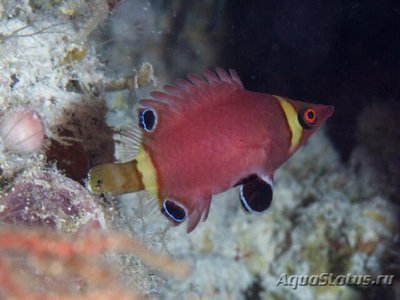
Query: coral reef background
80, 66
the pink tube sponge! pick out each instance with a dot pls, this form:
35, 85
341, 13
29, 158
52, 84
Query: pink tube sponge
22, 131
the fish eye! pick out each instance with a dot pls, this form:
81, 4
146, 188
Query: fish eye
307, 117
148, 119
174, 211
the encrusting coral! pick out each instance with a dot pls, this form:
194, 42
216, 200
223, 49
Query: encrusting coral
48, 199
53, 231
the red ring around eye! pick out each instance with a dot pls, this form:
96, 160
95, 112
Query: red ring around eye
310, 116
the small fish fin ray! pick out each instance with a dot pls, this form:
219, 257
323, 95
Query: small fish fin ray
214, 86
206, 211
194, 217
115, 178
146, 205
127, 142
256, 193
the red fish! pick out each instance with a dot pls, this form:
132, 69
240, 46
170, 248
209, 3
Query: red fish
202, 137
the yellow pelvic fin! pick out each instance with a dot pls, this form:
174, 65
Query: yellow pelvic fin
116, 178
292, 119
149, 174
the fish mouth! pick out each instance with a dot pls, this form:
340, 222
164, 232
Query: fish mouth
328, 110
325, 111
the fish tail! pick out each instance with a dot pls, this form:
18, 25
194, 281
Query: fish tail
116, 178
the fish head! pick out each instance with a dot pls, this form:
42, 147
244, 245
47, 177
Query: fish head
311, 117
303, 119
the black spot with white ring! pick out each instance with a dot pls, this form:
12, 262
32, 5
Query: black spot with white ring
256, 195
174, 211
148, 119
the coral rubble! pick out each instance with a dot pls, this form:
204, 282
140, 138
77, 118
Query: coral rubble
51, 77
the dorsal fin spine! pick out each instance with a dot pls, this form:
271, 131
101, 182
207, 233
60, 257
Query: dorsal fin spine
172, 90
236, 77
224, 75
211, 77
196, 91
196, 80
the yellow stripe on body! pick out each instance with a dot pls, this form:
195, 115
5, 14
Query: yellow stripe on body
292, 119
146, 168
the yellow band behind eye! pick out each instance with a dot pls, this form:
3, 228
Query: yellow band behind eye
146, 168
291, 116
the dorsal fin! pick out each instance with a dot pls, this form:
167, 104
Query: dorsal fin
194, 91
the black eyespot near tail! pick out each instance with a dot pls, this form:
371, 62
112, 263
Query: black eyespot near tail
148, 119
174, 211
256, 194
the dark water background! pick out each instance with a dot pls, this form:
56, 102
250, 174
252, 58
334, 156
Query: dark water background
345, 53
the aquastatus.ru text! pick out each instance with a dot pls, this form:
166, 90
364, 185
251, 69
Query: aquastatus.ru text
325, 279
